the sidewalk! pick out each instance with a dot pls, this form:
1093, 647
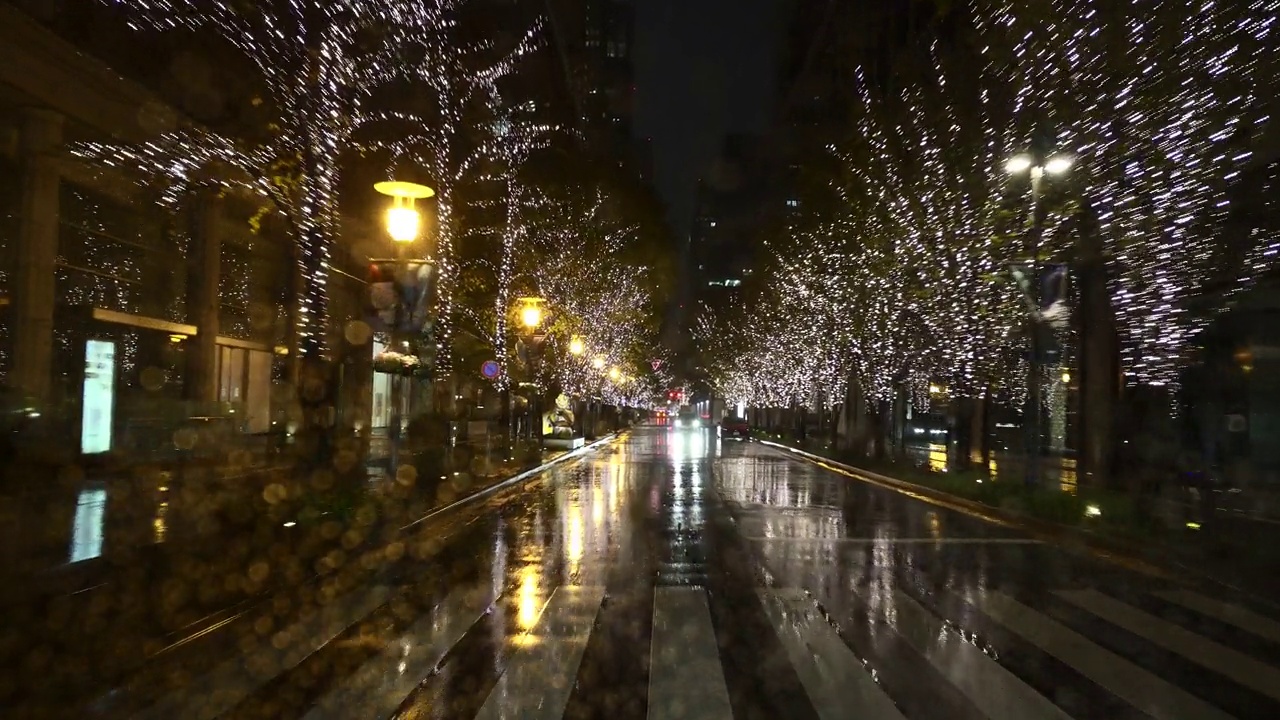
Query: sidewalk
154, 607
1230, 546
80, 528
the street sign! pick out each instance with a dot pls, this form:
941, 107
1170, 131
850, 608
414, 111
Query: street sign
490, 369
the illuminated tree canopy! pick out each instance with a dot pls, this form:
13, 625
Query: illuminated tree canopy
320, 64
907, 282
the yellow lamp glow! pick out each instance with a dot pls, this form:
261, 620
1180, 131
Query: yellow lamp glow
576, 346
598, 362
531, 316
614, 374
403, 223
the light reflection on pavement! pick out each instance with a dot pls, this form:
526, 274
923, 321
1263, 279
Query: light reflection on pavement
676, 574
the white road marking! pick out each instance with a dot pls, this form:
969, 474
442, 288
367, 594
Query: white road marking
540, 674
686, 680
1248, 671
1243, 618
1143, 690
835, 679
992, 689
382, 683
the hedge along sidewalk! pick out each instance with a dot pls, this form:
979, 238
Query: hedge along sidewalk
1103, 523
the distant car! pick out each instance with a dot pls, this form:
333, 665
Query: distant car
735, 427
687, 418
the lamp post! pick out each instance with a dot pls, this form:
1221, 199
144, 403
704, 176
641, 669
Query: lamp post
531, 314
404, 224
578, 346
1036, 164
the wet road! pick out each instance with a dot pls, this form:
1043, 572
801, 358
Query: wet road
675, 575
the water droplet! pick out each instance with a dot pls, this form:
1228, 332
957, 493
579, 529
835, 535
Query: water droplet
406, 475
184, 438
358, 332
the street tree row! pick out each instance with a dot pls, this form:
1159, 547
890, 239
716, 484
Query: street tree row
900, 276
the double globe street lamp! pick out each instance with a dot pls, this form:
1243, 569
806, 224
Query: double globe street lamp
1037, 165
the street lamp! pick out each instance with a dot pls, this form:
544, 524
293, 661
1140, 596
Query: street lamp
530, 312
403, 219
614, 374
403, 225
1037, 164
1058, 164
598, 362
576, 346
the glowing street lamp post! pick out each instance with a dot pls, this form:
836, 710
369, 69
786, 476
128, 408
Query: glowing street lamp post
404, 224
1037, 164
578, 346
531, 314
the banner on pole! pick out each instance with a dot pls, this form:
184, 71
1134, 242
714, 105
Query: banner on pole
401, 297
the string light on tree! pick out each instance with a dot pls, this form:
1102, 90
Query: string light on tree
319, 67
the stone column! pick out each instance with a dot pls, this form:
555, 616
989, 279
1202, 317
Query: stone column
204, 264
36, 254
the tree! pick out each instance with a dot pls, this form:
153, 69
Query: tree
319, 64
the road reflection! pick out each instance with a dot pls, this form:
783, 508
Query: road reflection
173, 574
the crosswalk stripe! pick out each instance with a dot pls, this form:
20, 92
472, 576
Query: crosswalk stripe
382, 683
540, 674
686, 680
991, 688
1237, 666
832, 675
1125, 680
1243, 618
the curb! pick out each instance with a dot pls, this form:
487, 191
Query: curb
1125, 554
524, 475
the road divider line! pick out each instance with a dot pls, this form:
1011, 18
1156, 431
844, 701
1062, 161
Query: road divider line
686, 677
572, 454
540, 674
838, 684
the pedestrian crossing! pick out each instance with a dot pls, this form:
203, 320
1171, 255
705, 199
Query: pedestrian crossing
842, 677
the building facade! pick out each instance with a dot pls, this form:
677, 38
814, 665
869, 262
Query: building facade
122, 320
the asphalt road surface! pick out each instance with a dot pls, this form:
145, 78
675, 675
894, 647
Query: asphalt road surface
673, 574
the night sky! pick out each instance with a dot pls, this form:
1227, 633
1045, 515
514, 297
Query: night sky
704, 68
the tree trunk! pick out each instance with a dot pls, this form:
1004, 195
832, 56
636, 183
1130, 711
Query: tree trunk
1099, 358
963, 411
983, 429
